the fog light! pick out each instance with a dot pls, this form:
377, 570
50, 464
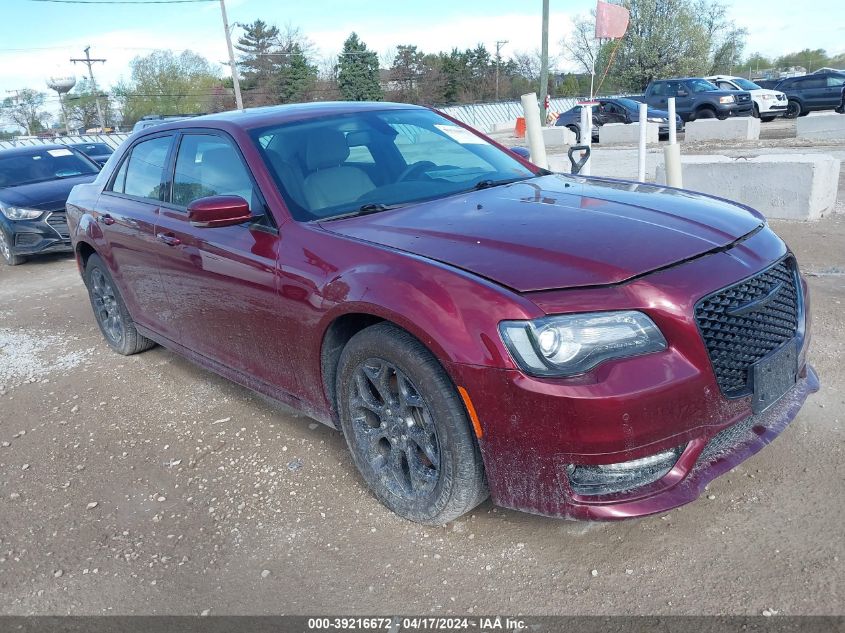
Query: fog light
621, 476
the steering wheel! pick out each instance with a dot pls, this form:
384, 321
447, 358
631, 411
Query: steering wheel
419, 166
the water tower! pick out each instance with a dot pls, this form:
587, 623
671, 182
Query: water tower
62, 85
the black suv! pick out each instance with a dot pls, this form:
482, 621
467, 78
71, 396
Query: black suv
35, 182
819, 91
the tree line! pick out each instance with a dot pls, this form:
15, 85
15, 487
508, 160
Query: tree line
665, 38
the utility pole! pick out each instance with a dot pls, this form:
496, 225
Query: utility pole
236, 82
544, 63
90, 63
499, 44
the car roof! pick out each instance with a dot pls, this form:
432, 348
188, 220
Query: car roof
30, 149
251, 118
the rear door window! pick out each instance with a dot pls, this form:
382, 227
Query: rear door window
835, 82
142, 174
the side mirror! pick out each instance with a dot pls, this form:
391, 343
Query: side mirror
522, 152
216, 211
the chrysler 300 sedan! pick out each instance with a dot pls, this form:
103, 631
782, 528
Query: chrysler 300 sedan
474, 325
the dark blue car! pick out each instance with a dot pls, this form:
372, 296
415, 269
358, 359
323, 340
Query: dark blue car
35, 182
619, 110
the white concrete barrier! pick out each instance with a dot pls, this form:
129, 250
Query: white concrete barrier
627, 133
745, 128
780, 186
558, 136
823, 127
504, 126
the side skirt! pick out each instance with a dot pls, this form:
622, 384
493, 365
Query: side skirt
259, 386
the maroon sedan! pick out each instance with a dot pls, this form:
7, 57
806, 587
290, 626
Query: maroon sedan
576, 347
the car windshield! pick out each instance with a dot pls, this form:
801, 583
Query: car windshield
94, 148
371, 161
42, 165
745, 84
701, 85
629, 104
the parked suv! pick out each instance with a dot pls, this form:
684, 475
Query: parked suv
697, 98
768, 104
819, 91
577, 347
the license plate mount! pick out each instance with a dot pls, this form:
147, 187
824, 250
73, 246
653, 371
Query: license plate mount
774, 376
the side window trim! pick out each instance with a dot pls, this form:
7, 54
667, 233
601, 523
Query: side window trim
170, 174
109, 188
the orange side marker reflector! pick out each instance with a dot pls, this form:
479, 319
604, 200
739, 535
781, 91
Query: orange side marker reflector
473, 416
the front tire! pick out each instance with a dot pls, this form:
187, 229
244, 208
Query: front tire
767, 119
110, 311
9, 258
705, 113
793, 109
407, 428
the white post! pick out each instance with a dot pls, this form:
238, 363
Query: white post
643, 128
673, 126
586, 135
672, 151
533, 130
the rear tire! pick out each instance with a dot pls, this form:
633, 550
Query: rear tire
9, 258
407, 428
110, 311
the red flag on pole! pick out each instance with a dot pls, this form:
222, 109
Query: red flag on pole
611, 20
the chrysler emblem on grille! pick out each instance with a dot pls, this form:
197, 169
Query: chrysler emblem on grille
756, 304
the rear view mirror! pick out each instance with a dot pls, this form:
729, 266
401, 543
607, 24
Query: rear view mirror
217, 211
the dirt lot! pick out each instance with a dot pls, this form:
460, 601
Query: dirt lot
147, 485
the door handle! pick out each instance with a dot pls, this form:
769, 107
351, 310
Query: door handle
169, 239
106, 219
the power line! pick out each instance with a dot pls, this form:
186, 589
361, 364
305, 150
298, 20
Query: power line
122, 1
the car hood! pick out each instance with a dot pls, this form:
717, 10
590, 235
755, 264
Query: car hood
50, 195
558, 231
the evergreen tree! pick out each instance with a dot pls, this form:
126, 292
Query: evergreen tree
258, 60
358, 76
298, 76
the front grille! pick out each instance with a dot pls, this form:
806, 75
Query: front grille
743, 98
58, 221
743, 323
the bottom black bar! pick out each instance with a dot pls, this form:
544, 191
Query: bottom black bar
408, 624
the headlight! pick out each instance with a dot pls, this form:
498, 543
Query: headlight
19, 213
768, 97
653, 119
571, 344
727, 99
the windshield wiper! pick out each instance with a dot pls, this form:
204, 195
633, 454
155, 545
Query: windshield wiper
486, 184
366, 209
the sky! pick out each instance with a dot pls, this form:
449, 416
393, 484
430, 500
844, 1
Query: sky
38, 38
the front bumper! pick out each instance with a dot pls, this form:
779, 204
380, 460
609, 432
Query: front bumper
535, 429
773, 108
47, 234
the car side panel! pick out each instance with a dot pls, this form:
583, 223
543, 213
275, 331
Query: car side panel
132, 252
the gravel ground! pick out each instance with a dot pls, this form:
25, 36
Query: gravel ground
146, 485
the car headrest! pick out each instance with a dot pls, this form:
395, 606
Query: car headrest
325, 148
